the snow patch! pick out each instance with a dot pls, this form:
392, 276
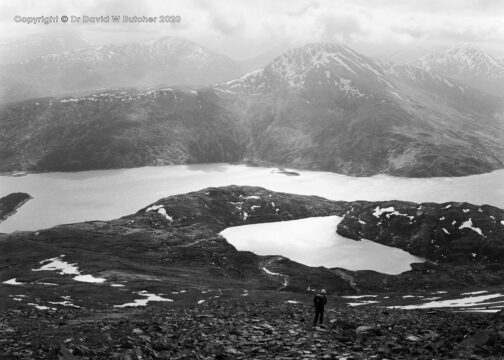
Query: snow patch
64, 268
388, 211
463, 302
255, 197
89, 279
64, 303
359, 296
58, 265
270, 272
469, 225
143, 302
41, 307
160, 210
365, 302
475, 292
13, 282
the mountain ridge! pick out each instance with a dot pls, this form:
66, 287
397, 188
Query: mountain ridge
166, 60
320, 107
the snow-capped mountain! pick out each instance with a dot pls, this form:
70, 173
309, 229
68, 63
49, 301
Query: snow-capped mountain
39, 44
168, 60
315, 65
321, 107
325, 106
467, 64
345, 75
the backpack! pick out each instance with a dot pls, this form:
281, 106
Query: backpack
319, 300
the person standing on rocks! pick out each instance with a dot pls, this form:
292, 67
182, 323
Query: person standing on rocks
319, 302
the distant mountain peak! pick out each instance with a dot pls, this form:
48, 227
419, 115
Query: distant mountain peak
467, 64
460, 59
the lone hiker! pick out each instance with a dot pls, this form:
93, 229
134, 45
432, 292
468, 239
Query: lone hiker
319, 302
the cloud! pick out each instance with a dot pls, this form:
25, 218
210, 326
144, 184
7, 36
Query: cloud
244, 28
341, 27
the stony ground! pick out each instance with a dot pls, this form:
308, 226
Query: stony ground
265, 326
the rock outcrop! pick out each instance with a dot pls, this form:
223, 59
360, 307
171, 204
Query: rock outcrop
459, 233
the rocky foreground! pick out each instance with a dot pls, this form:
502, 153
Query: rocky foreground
261, 326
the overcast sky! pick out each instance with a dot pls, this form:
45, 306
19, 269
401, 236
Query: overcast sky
245, 28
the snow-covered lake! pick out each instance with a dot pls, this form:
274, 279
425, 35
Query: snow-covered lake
108, 194
314, 242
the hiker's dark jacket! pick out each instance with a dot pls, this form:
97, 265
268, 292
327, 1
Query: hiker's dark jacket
319, 301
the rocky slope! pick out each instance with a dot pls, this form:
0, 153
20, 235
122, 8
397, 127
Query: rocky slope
321, 107
265, 327
75, 293
468, 65
114, 129
167, 60
10, 203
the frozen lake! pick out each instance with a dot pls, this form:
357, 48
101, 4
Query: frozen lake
314, 242
108, 194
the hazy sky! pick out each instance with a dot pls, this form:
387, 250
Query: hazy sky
244, 28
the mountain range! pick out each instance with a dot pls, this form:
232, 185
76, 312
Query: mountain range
165, 60
321, 107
